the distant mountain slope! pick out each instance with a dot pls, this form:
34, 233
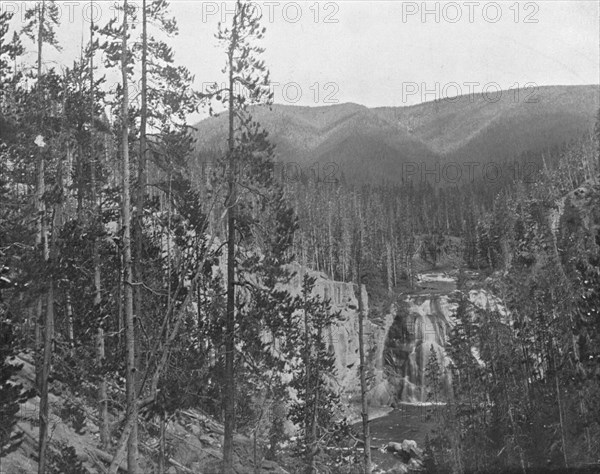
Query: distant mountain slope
374, 144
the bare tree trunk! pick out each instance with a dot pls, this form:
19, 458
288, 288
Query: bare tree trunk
514, 430
138, 220
309, 425
49, 330
561, 420
169, 262
584, 414
552, 351
130, 377
257, 462
120, 292
41, 239
362, 367
162, 447
102, 392
39, 311
142, 164
393, 244
45, 373
314, 422
97, 213
71, 331
330, 241
316, 249
390, 272
43, 362
163, 414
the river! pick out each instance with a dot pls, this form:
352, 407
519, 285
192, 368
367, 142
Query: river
408, 421
408, 345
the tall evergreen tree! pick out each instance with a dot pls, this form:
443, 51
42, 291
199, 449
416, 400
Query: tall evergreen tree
245, 144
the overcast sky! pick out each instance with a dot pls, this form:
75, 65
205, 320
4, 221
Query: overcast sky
386, 53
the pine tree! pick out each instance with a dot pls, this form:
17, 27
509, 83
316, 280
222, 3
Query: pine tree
433, 376
245, 142
11, 394
132, 451
40, 22
317, 401
103, 423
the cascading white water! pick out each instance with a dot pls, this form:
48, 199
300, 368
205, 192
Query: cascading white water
427, 327
420, 328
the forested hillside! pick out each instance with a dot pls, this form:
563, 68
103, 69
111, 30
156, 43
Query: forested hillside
169, 292
527, 397
371, 146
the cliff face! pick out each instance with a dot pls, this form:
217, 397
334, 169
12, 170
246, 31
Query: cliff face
343, 337
399, 345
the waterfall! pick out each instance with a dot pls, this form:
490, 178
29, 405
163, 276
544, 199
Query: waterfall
423, 324
420, 327
427, 325
398, 343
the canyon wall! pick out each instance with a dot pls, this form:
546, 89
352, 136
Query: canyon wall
343, 337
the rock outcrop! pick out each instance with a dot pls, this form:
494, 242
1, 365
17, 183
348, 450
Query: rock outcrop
194, 439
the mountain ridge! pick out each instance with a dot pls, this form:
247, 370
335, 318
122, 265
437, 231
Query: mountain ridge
373, 144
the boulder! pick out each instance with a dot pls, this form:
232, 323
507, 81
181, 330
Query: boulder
204, 438
407, 450
411, 447
393, 447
